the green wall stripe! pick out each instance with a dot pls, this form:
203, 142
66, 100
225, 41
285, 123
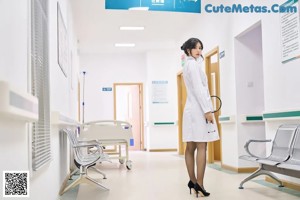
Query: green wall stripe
281, 114
254, 118
164, 123
224, 119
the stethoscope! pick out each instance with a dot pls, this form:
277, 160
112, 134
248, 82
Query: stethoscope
214, 96
211, 128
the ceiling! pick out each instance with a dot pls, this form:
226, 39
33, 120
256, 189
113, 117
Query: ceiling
97, 29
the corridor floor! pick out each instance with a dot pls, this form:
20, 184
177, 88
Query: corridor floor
163, 176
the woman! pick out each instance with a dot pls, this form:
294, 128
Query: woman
197, 116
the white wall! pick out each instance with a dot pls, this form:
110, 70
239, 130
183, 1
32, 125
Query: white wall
162, 66
229, 145
102, 70
15, 141
250, 89
281, 80
63, 89
249, 72
13, 40
13, 59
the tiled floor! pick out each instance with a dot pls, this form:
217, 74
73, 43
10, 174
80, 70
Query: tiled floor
163, 176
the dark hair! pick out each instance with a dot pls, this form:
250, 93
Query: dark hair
190, 44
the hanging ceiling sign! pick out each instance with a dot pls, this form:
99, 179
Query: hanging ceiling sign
190, 6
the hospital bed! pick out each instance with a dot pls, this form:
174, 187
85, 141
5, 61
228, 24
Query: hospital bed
110, 133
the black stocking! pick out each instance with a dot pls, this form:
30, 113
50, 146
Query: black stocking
190, 160
201, 161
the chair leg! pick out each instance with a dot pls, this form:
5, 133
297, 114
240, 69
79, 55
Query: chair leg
259, 172
83, 179
274, 177
90, 180
97, 170
75, 183
73, 173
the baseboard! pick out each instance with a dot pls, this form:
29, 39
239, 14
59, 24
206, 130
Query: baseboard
64, 184
230, 168
286, 184
239, 170
247, 169
162, 150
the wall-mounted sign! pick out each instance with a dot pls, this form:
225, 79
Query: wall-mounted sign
159, 92
290, 33
222, 54
107, 89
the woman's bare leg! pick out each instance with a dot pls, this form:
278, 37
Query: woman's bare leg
201, 161
190, 160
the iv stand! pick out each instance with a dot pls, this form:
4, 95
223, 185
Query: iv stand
83, 97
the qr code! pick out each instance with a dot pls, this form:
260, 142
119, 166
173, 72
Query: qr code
15, 184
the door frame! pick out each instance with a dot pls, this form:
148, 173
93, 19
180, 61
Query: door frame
141, 95
207, 59
181, 146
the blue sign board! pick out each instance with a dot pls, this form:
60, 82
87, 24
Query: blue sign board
107, 89
190, 6
222, 54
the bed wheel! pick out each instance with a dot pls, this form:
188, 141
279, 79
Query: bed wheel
129, 164
121, 161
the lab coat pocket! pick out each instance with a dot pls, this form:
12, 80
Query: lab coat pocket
211, 128
212, 131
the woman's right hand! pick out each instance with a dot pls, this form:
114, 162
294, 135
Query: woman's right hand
209, 117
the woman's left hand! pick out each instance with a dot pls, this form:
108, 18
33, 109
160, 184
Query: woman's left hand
209, 117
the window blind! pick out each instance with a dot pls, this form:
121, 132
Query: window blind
41, 146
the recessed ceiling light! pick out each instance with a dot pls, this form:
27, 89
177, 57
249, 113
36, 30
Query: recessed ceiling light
132, 28
124, 45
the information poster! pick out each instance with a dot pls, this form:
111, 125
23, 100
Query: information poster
290, 33
159, 92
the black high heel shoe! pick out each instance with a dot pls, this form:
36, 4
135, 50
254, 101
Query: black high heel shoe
202, 191
191, 185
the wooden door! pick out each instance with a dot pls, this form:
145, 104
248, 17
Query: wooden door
214, 70
128, 107
181, 103
213, 76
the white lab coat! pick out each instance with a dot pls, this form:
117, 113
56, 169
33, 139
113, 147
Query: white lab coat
195, 128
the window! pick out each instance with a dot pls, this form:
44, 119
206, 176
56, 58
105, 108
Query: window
41, 148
